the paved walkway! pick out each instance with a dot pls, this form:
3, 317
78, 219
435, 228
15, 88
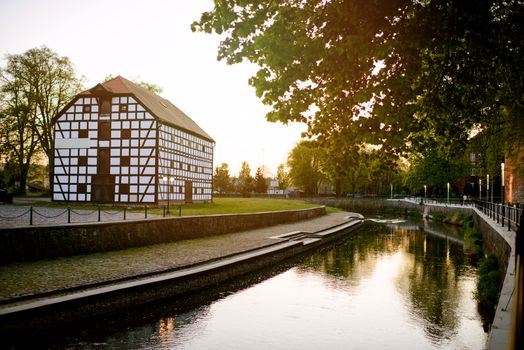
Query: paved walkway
20, 216
54, 275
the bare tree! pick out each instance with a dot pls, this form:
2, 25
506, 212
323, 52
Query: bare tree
18, 138
48, 82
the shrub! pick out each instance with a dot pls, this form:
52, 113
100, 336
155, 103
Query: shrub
487, 292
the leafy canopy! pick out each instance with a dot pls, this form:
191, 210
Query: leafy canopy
405, 75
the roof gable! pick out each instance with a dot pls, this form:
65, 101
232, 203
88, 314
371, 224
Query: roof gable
163, 109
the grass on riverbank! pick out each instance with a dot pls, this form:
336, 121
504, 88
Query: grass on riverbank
218, 206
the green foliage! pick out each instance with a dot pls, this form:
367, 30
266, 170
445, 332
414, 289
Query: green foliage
434, 171
473, 238
222, 179
305, 164
488, 284
245, 180
260, 183
438, 217
402, 74
282, 177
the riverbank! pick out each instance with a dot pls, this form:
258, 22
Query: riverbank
497, 240
30, 243
68, 288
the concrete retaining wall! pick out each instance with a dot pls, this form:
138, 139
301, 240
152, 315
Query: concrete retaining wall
61, 310
33, 243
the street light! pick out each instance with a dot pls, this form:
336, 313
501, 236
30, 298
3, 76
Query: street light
167, 184
480, 190
169, 189
487, 188
502, 182
425, 191
448, 192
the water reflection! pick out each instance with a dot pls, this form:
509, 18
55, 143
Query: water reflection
394, 286
425, 262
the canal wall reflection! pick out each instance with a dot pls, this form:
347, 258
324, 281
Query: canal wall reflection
398, 286
428, 260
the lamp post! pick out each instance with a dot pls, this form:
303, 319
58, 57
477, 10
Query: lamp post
448, 192
487, 184
480, 190
391, 187
502, 181
425, 191
168, 192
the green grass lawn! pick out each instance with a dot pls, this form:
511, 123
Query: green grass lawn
242, 205
219, 206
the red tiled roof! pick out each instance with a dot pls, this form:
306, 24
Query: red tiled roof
159, 106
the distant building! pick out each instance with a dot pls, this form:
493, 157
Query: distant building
120, 143
275, 190
514, 176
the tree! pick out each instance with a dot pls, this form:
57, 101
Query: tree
304, 162
18, 134
435, 172
260, 183
407, 75
221, 178
282, 177
245, 180
47, 82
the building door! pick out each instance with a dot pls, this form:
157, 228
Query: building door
103, 184
189, 192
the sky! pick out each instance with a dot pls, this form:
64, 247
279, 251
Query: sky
152, 41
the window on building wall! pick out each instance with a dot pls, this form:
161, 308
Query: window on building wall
83, 133
86, 109
122, 108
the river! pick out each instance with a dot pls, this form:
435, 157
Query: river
393, 285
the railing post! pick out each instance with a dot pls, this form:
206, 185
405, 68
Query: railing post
503, 214
31, 216
68, 215
145, 211
179, 210
98, 213
164, 211
125, 213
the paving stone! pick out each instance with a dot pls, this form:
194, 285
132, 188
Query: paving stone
32, 278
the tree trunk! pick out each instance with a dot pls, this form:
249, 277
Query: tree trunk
24, 169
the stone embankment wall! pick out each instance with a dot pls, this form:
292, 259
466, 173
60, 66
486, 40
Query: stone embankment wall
493, 242
33, 243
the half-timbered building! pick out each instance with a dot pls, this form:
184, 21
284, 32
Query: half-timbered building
120, 143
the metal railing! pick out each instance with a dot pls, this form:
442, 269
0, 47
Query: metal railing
506, 215
68, 215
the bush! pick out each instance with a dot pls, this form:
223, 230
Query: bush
487, 292
472, 237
